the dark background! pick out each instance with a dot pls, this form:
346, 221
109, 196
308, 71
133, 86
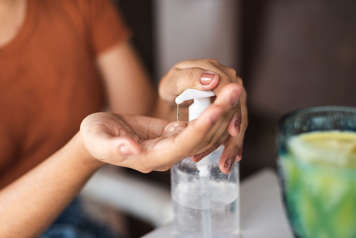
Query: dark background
293, 54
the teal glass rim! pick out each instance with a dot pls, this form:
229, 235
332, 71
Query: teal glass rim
294, 114
285, 125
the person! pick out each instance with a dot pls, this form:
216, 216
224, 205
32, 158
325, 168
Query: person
61, 63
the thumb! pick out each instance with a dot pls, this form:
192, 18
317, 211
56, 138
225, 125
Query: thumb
105, 138
109, 149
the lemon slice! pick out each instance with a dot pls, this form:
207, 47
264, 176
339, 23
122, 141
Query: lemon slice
333, 148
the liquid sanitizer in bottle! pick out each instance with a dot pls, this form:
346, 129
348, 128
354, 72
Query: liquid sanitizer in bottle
206, 201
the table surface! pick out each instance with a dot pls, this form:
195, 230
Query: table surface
262, 212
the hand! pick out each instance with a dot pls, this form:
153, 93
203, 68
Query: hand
147, 144
208, 74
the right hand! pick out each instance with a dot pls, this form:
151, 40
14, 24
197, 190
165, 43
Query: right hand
209, 74
148, 144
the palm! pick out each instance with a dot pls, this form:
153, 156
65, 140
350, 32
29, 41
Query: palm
147, 144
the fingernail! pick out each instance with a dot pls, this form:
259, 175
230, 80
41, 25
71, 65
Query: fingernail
206, 78
239, 155
125, 150
238, 158
228, 163
237, 122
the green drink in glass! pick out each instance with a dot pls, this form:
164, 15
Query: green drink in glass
317, 168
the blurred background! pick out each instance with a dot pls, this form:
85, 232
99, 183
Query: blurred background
290, 53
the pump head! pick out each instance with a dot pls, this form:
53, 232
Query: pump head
201, 101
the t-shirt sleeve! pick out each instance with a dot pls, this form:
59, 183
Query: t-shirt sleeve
106, 25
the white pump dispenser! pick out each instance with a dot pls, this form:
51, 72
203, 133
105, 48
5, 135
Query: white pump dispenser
201, 101
205, 199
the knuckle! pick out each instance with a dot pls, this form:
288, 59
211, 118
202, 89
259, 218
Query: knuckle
213, 60
208, 140
177, 65
91, 118
164, 169
190, 73
245, 124
235, 149
225, 78
145, 169
231, 71
161, 89
214, 141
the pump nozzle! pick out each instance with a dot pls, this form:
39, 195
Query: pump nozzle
200, 103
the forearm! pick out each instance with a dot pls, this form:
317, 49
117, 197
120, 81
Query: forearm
128, 86
31, 203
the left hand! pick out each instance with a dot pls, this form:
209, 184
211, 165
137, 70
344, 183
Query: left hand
210, 75
147, 144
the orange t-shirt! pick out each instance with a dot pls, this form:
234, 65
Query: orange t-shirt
49, 80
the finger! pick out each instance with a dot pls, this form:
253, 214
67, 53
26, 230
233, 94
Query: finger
244, 113
209, 80
165, 152
202, 63
164, 169
216, 136
196, 78
217, 132
198, 157
226, 74
168, 151
110, 149
209, 65
229, 96
147, 127
107, 136
234, 126
197, 130
232, 152
109, 123
227, 79
234, 146
188, 139
177, 80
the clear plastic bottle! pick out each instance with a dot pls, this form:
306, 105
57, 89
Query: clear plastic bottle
206, 201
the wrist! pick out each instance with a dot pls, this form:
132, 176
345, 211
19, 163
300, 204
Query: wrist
83, 154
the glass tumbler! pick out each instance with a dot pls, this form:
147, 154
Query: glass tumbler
320, 200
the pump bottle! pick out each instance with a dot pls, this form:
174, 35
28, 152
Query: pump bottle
206, 201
